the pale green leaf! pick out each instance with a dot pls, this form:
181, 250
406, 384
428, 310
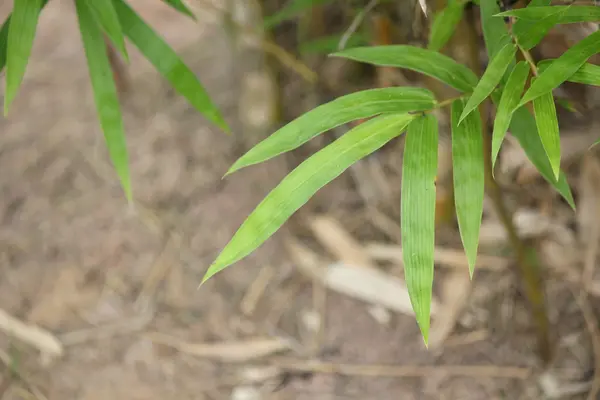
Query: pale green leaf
167, 62
529, 33
419, 169
495, 31
344, 109
563, 67
21, 33
510, 98
547, 124
468, 172
588, 74
491, 78
180, 6
425, 61
444, 24
572, 14
106, 16
304, 181
105, 93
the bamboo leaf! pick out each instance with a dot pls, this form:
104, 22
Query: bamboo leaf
588, 74
344, 109
105, 93
168, 63
427, 62
180, 6
106, 16
468, 168
444, 24
510, 98
292, 10
547, 124
495, 32
563, 67
491, 78
530, 33
304, 181
419, 170
329, 44
21, 33
571, 14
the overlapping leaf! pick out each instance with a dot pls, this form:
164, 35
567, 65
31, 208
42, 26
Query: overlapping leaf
344, 109
167, 62
180, 6
571, 14
427, 62
105, 93
445, 24
547, 124
419, 170
304, 181
588, 74
495, 32
106, 16
530, 33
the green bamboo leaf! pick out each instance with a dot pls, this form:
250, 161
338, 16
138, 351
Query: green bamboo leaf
468, 168
510, 98
344, 109
180, 6
491, 78
427, 62
529, 33
419, 169
572, 14
444, 24
563, 67
588, 74
106, 16
293, 9
304, 181
21, 33
105, 93
495, 32
168, 63
329, 44
547, 124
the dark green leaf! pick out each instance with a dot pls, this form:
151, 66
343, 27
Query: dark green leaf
167, 62
180, 6
347, 108
106, 16
468, 168
547, 125
530, 33
419, 169
491, 78
444, 24
304, 181
510, 98
105, 93
329, 44
427, 62
495, 32
588, 74
572, 14
292, 10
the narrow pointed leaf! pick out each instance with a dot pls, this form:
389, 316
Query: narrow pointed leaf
572, 14
419, 170
444, 24
530, 33
105, 93
427, 62
491, 78
547, 125
344, 109
495, 32
563, 67
588, 74
510, 98
304, 181
180, 6
468, 168
292, 10
106, 16
168, 63
21, 33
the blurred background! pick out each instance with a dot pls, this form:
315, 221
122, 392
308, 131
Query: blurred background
99, 301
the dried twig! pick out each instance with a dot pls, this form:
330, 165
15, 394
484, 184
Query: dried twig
40, 338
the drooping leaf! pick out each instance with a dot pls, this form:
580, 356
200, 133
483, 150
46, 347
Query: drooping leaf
490, 79
547, 124
510, 98
444, 24
427, 62
106, 16
21, 33
417, 217
180, 6
105, 93
468, 171
304, 181
293, 9
344, 109
563, 67
530, 33
495, 32
572, 14
168, 63
588, 74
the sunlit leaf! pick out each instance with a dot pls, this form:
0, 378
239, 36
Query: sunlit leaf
293, 9
547, 124
468, 169
563, 67
168, 63
417, 216
444, 24
530, 33
495, 32
491, 78
588, 74
572, 14
105, 93
427, 62
180, 6
304, 181
510, 98
106, 16
21, 33
344, 109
